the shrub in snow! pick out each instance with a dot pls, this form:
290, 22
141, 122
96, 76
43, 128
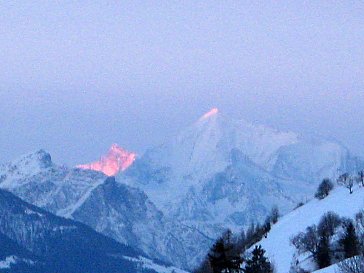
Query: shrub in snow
324, 189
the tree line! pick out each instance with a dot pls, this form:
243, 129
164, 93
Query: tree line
230, 254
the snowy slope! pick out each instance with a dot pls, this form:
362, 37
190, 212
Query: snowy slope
147, 264
331, 269
277, 244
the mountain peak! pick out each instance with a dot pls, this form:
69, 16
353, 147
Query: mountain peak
25, 166
116, 160
40, 158
209, 114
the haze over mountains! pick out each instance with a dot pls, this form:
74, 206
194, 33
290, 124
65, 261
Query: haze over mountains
177, 136
173, 201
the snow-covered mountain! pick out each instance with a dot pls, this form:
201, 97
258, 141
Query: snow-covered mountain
127, 215
173, 201
226, 172
204, 149
114, 209
116, 160
36, 179
242, 193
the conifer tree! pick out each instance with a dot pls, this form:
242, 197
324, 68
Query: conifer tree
323, 253
222, 256
258, 262
274, 215
217, 256
350, 241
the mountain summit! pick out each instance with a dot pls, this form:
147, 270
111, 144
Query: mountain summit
221, 172
116, 160
212, 112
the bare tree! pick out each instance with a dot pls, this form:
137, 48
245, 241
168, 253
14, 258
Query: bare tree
347, 181
360, 178
307, 241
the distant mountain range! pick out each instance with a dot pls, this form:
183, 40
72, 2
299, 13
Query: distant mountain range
173, 201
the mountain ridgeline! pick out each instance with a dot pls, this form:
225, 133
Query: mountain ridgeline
173, 202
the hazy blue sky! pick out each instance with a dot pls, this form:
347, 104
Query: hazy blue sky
76, 76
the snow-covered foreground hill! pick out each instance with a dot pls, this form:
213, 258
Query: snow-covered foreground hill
277, 244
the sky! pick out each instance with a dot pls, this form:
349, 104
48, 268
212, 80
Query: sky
77, 76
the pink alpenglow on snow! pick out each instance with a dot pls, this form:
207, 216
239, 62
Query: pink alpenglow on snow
115, 161
210, 113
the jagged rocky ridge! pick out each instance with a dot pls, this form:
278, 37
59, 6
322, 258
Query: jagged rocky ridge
116, 160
